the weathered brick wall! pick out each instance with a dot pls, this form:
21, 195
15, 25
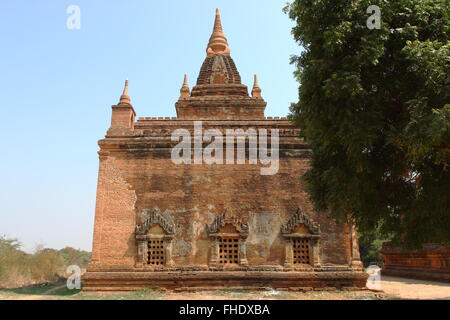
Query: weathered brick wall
427, 263
115, 218
132, 179
222, 108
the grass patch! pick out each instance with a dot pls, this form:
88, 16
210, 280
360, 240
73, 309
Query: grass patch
34, 289
149, 293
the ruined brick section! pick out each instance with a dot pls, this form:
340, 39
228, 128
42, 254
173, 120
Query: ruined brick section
158, 223
432, 262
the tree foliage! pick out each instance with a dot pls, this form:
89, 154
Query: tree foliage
370, 245
375, 107
18, 268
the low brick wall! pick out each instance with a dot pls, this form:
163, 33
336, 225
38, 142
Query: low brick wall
204, 280
428, 263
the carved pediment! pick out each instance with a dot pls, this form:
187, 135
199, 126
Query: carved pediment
152, 218
222, 221
298, 219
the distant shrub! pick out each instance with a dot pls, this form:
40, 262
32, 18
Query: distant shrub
18, 268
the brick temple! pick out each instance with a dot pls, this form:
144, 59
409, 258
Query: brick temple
201, 225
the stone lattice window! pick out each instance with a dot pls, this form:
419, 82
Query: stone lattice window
228, 247
156, 254
154, 240
301, 251
229, 250
301, 236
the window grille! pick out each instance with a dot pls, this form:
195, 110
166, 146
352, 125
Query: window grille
301, 251
229, 250
156, 252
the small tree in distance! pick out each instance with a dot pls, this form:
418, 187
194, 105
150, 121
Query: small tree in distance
18, 268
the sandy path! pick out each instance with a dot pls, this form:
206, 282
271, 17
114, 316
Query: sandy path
415, 289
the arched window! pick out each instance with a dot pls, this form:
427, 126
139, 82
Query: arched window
302, 241
154, 241
228, 247
156, 246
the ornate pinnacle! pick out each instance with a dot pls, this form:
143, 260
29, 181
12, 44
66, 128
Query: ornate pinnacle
218, 43
184, 91
256, 91
125, 98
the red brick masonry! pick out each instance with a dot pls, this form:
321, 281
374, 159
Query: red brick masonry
429, 263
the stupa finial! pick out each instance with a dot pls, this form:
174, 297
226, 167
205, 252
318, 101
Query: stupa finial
184, 91
256, 91
125, 98
218, 43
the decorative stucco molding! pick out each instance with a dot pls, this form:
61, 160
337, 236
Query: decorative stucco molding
155, 217
297, 219
220, 221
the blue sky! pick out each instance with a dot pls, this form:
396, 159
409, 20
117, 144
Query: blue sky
58, 85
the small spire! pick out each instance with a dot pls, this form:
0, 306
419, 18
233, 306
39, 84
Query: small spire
184, 91
218, 43
256, 91
125, 98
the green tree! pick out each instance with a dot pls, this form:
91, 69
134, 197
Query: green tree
370, 244
73, 256
374, 105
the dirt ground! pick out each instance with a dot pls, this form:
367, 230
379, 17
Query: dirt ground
415, 289
392, 288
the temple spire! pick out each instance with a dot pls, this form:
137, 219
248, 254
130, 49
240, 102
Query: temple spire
184, 91
125, 98
256, 91
218, 43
